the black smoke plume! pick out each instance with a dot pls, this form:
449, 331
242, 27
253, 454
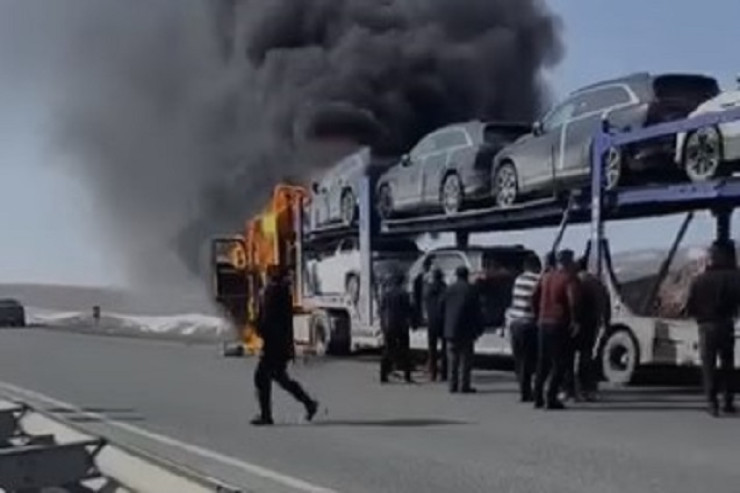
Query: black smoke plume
185, 113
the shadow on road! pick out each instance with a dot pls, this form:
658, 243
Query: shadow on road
97, 410
93, 419
391, 423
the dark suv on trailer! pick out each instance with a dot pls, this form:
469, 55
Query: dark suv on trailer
556, 155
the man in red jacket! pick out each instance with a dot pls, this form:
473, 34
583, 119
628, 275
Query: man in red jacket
556, 299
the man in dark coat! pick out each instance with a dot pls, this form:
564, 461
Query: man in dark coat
275, 327
713, 302
396, 319
433, 297
581, 379
463, 324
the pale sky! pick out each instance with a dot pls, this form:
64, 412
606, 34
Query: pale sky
46, 216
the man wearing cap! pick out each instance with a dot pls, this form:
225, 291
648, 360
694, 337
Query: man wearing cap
275, 327
463, 324
557, 301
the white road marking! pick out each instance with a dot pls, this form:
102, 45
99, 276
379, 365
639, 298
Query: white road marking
269, 474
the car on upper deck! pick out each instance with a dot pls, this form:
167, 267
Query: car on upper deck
556, 156
447, 170
711, 152
334, 199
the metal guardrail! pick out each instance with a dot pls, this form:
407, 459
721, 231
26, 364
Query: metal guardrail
39, 453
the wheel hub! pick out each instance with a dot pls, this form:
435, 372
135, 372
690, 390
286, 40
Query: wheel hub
506, 186
451, 195
613, 168
702, 154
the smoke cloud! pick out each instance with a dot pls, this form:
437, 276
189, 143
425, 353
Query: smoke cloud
184, 113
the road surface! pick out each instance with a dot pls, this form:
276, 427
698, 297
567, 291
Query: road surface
190, 405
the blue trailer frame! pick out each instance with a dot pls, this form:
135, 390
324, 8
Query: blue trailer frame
593, 206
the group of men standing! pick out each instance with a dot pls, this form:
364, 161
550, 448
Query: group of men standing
454, 321
554, 321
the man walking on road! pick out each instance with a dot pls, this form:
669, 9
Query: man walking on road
556, 299
463, 324
595, 313
434, 292
523, 326
275, 327
713, 302
396, 319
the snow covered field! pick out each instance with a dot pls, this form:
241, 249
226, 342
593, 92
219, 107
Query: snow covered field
194, 327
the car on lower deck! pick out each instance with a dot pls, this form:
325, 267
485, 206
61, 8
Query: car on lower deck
556, 156
338, 272
492, 269
447, 170
711, 152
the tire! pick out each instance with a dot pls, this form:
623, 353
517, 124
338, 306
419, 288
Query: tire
385, 202
505, 185
614, 170
330, 333
352, 288
619, 356
451, 194
348, 208
702, 155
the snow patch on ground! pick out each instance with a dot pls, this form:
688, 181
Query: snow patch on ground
186, 326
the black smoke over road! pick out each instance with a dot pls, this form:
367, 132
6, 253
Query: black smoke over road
185, 113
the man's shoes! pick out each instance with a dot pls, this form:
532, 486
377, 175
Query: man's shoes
539, 403
262, 421
469, 390
555, 406
526, 398
729, 408
453, 390
311, 409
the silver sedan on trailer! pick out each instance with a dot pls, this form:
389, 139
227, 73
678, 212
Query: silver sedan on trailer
447, 170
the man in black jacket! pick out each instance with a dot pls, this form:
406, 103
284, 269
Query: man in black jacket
275, 327
714, 297
463, 324
434, 292
396, 319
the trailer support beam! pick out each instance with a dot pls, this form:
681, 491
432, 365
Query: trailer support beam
366, 255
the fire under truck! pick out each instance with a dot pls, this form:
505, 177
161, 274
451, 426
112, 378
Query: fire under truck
240, 264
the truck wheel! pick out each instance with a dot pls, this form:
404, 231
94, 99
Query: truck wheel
330, 333
619, 356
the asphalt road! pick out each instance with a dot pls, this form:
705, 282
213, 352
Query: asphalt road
192, 406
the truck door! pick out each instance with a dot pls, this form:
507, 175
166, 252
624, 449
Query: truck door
230, 281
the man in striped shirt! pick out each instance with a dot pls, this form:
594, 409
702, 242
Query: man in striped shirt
523, 325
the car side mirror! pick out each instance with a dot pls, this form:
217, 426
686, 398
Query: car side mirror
405, 160
537, 128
